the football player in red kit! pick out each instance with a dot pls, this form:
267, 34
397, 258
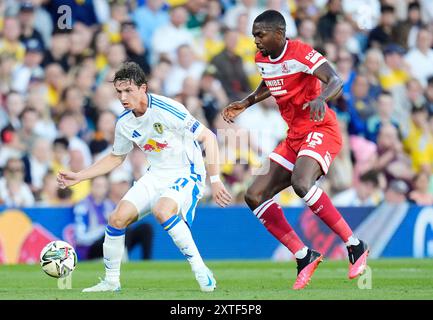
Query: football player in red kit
291, 72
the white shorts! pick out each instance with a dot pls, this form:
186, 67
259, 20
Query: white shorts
185, 189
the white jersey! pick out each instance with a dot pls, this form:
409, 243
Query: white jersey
166, 133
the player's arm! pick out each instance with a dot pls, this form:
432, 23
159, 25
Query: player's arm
332, 89
235, 108
208, 139
99, 168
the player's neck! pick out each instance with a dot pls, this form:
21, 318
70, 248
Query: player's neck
142, 108
280, 50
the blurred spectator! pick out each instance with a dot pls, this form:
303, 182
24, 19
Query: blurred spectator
392, 161
59, 49
249, 7
7, 64
246, 49
196, 13
364, 156
188, 96
69, 127
37, 163
396, 192
9, 41
120, 182
60, 155
282, 7
230, 71
11, 146
307, 32
365, 194
170, 36
49, 192
344, 37
345, 69
418, 142
76, 163
405, 32
381, 36
14, 192
212, 96
30, 66
208, 43
361, 105
429, 95
327, 21
115, 56
14, 106
420, 194
27, 133
26, 18
371, 67
363, 14
186, 65
148, 19
385, 112
420, 58
103, 137
135, 50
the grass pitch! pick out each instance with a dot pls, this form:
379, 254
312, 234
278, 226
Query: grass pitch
236, 280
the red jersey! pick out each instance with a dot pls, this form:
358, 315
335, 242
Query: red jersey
290, 79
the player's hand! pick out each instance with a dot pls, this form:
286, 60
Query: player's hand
220, 195
233, 110
317, 109
67, 178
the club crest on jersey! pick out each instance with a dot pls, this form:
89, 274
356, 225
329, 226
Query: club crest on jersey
158, 127
152, 145
285, 67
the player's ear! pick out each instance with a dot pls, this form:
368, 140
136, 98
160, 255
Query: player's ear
144, 87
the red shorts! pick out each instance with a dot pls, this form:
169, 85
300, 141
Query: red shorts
322, 144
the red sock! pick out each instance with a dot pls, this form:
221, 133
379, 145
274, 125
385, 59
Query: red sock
321, 205
271, 215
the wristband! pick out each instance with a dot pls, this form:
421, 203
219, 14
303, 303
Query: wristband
214, 178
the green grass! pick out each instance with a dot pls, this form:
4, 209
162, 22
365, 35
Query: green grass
243, 280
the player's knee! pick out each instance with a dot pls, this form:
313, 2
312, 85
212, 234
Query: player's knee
254, 198
117, 221
301, 185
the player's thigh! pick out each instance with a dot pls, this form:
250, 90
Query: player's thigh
271, 182
164, 208
142, 196
185, 191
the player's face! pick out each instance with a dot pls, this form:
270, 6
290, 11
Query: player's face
267, 40
129, 94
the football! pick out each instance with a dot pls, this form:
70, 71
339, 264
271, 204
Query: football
58, 259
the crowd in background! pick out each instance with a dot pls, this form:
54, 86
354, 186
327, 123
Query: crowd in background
58, 108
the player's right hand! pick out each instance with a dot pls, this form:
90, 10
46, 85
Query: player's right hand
233, 110
67, 178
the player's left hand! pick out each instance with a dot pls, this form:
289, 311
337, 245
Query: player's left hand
220, 195
317, 109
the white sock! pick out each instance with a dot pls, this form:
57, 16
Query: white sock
352, 241
113, 247
182, 237
300, 254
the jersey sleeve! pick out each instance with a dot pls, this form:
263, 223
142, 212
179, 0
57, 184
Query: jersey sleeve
309, 57
122, 145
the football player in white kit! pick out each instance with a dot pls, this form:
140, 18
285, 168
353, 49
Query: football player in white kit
169, 136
